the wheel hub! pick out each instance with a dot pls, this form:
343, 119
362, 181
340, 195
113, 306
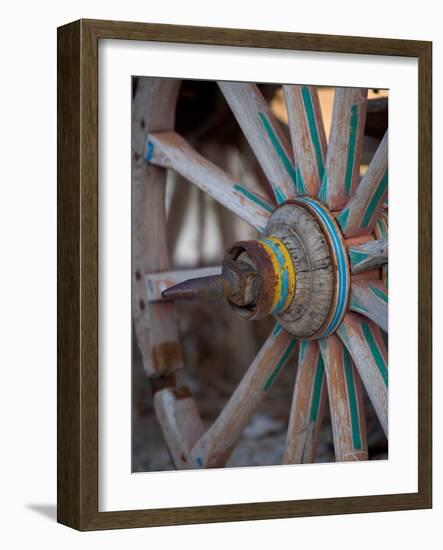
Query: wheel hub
297, 271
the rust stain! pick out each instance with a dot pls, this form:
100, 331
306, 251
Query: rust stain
352, 241
166, 357
183, 392
372, 275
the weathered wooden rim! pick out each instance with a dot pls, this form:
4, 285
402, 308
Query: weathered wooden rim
77, 273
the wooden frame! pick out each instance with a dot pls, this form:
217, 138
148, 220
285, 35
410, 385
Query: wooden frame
77, 274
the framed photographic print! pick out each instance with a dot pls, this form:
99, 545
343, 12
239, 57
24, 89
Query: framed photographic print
225, 203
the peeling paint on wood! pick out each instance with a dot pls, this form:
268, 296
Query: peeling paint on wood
265, 136
307, 135
345, 147
362, 211
170, 150
370, 298
153, 110
307, 408
345, 401
369, 255
365, 343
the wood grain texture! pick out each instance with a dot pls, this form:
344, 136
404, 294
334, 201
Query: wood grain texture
344, 147
180, 422
345, 393
307, 135
381, 231
307, 408
215, 447
364, 257
304, 238
77, 254
170, 150
265, 136
370, 299
155, 324
366, 345
363, 210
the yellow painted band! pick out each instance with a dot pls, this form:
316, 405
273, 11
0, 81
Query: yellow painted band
277, 274
284, 273
289, 266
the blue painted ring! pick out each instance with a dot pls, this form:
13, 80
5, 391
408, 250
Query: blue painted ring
343, 277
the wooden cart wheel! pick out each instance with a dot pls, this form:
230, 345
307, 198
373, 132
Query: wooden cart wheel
319, 267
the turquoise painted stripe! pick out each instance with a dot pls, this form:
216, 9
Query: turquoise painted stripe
149, 151
342, 218
353, 126
280, 365
300, 182
376, 354
376, 200
340, 254
353, 401
381, 225
357, 257
310, 115
379, 293
357, 307
304, 344
323, 193
317, 388
254, 198
282, 155
284, 291
277, 329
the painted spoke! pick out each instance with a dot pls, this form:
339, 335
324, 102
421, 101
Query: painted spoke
345, 401
170, 150
362, 211
381, 232
370, 298
307, 407
157, 282
307, 135
180, 422
366, 256
265, 136
364, 341
344, 147
215, 447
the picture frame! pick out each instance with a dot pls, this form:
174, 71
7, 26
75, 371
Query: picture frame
78, 280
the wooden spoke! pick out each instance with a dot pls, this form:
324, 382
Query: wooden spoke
345, 401
370, 298
366, 256
181, 423
215, 447
362, 211
345, 147
170, 150
265, 136
364, 341
155, 324
307, 135
157, 282
381, 232
308, 403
